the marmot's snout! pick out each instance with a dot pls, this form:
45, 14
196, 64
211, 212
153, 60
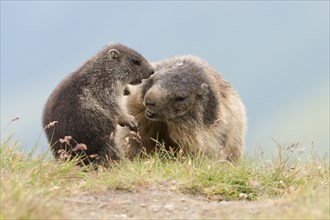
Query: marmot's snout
151, 97
152, 104
149, 103
149, 73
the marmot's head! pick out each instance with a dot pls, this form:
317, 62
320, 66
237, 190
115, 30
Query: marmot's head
177, 92
128, 65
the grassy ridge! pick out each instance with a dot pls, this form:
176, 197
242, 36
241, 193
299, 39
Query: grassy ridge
28, 184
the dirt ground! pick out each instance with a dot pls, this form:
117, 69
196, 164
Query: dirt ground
153, 203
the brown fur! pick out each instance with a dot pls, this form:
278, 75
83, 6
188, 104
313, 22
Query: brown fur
187, 105
87, 103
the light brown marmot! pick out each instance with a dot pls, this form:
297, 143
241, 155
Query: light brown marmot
87, 103
186, 105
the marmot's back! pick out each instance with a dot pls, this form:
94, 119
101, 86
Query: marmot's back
188, 105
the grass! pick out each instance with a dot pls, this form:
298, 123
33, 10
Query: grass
29, 183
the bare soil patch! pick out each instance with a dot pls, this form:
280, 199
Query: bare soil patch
153, 203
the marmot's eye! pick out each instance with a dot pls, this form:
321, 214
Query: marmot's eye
136, 62
180, 98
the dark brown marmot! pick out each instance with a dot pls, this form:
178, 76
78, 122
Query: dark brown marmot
187, 105
87, 103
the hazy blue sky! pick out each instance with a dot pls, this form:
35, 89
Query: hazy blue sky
275, 53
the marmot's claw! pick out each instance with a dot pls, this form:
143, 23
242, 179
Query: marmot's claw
133, 124
129, 121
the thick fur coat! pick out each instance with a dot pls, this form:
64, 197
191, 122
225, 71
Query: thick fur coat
87, 104
187, 106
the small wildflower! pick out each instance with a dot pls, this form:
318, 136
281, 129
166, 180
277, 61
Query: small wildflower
243, 195
79, 147
136, 136
51, 124
66, 140
96, 156
61, 151
63, 154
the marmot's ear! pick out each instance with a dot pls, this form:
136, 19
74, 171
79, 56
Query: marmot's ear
203, 89
114, 54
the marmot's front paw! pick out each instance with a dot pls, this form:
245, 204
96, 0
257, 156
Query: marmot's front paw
128, 120
132, 123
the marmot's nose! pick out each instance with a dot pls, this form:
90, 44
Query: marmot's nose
152, 97
149, 103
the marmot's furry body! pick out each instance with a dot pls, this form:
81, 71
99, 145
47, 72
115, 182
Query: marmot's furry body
87, 103
187, 105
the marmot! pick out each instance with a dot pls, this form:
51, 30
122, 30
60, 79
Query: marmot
87, 103
186, 105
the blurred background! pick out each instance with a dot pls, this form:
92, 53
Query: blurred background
274, 53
